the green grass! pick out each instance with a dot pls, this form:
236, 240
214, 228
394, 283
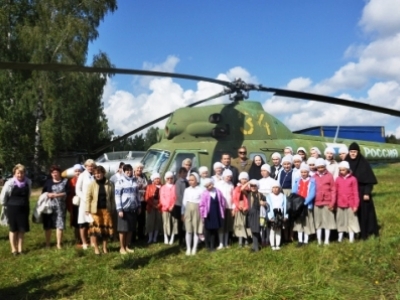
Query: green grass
363, 270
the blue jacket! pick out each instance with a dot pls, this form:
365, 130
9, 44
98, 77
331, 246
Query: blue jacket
310, 193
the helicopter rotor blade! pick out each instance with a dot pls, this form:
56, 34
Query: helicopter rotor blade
84, 69
138, 129
329, 100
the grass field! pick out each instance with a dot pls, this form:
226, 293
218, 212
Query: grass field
363, 270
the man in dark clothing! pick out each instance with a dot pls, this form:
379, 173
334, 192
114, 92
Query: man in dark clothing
180, 185
226, 161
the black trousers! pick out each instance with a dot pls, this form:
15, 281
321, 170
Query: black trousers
177, 214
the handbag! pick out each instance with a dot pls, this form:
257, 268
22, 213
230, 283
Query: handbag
3, 216
76, 200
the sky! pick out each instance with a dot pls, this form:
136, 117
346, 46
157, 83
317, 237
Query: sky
341, 48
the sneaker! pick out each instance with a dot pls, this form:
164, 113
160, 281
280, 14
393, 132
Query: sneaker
188, 252
194, 251
220, 247
84, 246
273, 248
130, 250
278, 248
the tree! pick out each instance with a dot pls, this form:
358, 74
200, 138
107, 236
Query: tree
151, 137
65, 108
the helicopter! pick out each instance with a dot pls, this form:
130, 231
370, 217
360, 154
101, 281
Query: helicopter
204, 133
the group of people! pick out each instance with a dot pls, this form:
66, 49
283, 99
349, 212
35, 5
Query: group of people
243, 198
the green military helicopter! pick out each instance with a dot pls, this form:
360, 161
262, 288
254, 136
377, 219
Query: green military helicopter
204, 133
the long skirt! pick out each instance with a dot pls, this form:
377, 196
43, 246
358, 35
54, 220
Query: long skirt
193, 223
306, 224
367, 218
324, 218
170, 225
239, 225
153, 220
227, 223
347, 220
102, 225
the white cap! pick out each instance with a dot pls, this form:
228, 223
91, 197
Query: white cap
156, 175
218, 165
287, 158
297, 157
266, 167
329, 150
316, 150
207, 181
343, 149
243, 175
227, 172
290, 148
304, 167
311, 160
344, 164
275, 183
254, 182
195, 176
203, 169
78, 167
301, 149
168, 174
276, 155
320, 162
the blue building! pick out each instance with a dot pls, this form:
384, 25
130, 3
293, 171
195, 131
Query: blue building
365, 133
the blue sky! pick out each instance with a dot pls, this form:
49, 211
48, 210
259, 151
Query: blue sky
337, 47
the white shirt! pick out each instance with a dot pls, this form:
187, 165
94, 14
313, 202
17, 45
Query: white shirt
333, 168
191, 194
226, 189
266, 185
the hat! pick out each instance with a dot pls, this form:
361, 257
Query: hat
218, 165
320, 162
78, 167
287, 158
195, 176
354, 146
156, 175
168, 174
343, 149
301, 149
311, 160
329, 150
297, 157
254, 182
316, 150
304, 167
275, 183
266, 167
207, 181
243, 175
203, 169
290, 148
276, 155
227, 172
344, 164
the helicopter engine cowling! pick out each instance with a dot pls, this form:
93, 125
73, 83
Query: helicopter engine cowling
200, 129
172, 130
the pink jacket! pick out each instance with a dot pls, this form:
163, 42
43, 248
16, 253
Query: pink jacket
325, 190
167, 197
204, 205
347, 191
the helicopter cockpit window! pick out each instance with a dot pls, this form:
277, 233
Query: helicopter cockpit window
251, 156
155, 161
176, 162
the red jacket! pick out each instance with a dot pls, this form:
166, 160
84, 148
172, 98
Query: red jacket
347, 191
325, 189
167, 197
240, 197
149, 198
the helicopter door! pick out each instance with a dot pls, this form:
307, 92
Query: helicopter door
179, 157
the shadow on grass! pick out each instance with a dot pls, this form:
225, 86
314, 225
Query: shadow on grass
39, 288
134, 262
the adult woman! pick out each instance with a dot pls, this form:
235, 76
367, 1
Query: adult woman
100, 204
366, 180
56, 189
255, 169
74, 209
15, 197
84, 180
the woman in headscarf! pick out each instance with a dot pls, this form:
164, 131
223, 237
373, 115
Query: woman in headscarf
255, 169
366, 180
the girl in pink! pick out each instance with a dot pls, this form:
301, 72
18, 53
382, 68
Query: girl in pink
347, 202
167, 202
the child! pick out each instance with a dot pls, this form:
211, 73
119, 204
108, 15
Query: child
305, 187
303, 153
285, 175
218, 167
325, 200
315, 152
296, 167
212, 212
276, 215
276, 165
203, 172
167, 202
331, 164
191, 214
152, 198
343, 151
226, 187
241, 207
265, 188
256, 200
347, 202
311, 164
